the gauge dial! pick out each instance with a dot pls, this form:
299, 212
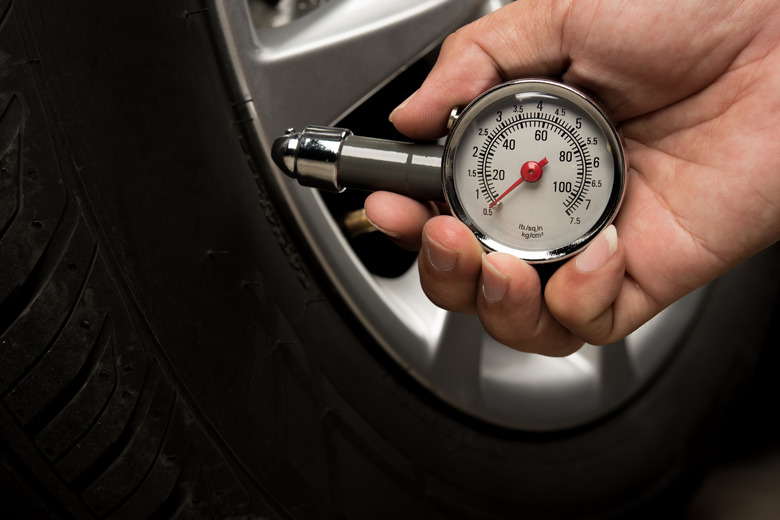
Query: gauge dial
535, 168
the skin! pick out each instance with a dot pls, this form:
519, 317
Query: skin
696, 92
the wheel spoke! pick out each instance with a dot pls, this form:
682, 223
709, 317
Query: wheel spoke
456, 365
346, 49
617, 377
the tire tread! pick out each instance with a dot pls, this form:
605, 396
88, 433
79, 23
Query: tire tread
91, 418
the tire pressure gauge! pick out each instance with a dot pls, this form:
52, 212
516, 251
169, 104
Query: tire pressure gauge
533, 167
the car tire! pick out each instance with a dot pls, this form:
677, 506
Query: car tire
170, 348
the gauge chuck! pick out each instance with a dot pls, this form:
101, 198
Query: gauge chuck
334, 159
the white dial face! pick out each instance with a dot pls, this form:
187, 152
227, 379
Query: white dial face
534, 172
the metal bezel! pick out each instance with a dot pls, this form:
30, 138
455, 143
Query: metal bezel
545, 87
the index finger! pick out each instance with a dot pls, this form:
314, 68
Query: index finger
482, 54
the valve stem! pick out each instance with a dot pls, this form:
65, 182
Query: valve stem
356, 223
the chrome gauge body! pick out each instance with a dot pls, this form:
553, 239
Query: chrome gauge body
534, 168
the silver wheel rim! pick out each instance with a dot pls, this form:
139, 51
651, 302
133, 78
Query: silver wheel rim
303, 73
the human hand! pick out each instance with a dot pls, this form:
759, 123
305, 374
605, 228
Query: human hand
696, 91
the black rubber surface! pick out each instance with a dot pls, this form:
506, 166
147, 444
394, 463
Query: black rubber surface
92, 407
168, 350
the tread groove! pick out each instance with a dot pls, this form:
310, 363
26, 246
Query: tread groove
31, 389
161, 474
72, 423
184, 489
7, 140
130, 470
72, 389
83, 471
6, 13
28, 292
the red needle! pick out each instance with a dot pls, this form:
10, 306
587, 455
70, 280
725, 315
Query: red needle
531, 172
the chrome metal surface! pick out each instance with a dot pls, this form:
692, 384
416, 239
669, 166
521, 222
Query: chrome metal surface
311, 156
335, 159
314, 70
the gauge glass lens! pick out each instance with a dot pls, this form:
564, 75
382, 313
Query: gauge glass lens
535, 172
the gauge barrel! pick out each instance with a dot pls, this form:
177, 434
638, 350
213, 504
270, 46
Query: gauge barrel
334, 159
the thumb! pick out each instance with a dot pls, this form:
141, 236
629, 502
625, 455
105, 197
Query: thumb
520, 39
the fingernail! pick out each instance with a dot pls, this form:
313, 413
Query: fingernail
401, 106
599, 251
440, 257
391, 234
494, 283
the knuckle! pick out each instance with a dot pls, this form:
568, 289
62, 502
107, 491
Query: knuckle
549, 340
564, 349
597, 333
454, 41
558, 347
446, 293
